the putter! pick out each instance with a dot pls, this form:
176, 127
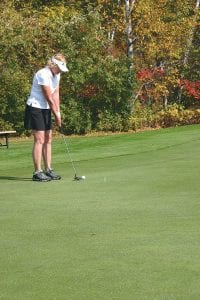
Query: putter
76, 177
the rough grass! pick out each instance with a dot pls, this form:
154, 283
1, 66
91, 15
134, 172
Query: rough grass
129, 231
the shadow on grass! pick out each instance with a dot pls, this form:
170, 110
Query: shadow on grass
15, 178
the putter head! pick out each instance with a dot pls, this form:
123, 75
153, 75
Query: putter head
79, 177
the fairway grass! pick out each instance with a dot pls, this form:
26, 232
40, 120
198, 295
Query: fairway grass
130, 231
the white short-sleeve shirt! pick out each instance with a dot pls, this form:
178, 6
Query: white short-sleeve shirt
42, 77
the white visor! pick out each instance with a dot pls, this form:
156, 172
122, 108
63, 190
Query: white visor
61, 64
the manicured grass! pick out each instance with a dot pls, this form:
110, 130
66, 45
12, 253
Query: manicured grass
131, 230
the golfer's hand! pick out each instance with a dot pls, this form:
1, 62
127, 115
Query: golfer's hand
58, 121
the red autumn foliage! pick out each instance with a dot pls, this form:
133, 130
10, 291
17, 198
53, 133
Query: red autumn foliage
149, 77
192, 88
150, 74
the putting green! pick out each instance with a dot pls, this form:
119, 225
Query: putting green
129, 231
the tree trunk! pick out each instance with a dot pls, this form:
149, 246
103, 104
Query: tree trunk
129, 30
189, 43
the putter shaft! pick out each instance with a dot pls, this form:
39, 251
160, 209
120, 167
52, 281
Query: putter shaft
68, 152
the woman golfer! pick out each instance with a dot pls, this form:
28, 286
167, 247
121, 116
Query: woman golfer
44, 99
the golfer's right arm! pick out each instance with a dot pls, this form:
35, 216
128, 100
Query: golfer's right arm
47, 93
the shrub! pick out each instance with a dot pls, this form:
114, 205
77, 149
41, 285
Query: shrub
109, 122
5, 125
75, 119
173, 115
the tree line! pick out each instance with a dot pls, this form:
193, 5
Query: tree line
129, 60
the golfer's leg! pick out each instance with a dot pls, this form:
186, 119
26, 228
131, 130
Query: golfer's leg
47, 149
37, 149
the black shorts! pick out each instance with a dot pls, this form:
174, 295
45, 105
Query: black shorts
37, 118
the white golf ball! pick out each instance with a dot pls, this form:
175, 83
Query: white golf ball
83, 177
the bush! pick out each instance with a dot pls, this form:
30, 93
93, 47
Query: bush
75, 119
142, 117
173, 115
5, 125
108, 122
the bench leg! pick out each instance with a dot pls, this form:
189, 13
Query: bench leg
7, 142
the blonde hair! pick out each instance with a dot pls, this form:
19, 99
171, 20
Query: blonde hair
57, 56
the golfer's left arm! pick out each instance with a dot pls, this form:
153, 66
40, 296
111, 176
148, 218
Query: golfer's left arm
52, 103
56, 98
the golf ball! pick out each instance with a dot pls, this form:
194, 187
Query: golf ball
83, 177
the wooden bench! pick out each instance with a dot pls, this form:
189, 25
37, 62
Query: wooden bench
6, 135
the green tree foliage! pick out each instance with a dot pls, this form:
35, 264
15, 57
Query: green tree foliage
97, 82
14, 85
97, 93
